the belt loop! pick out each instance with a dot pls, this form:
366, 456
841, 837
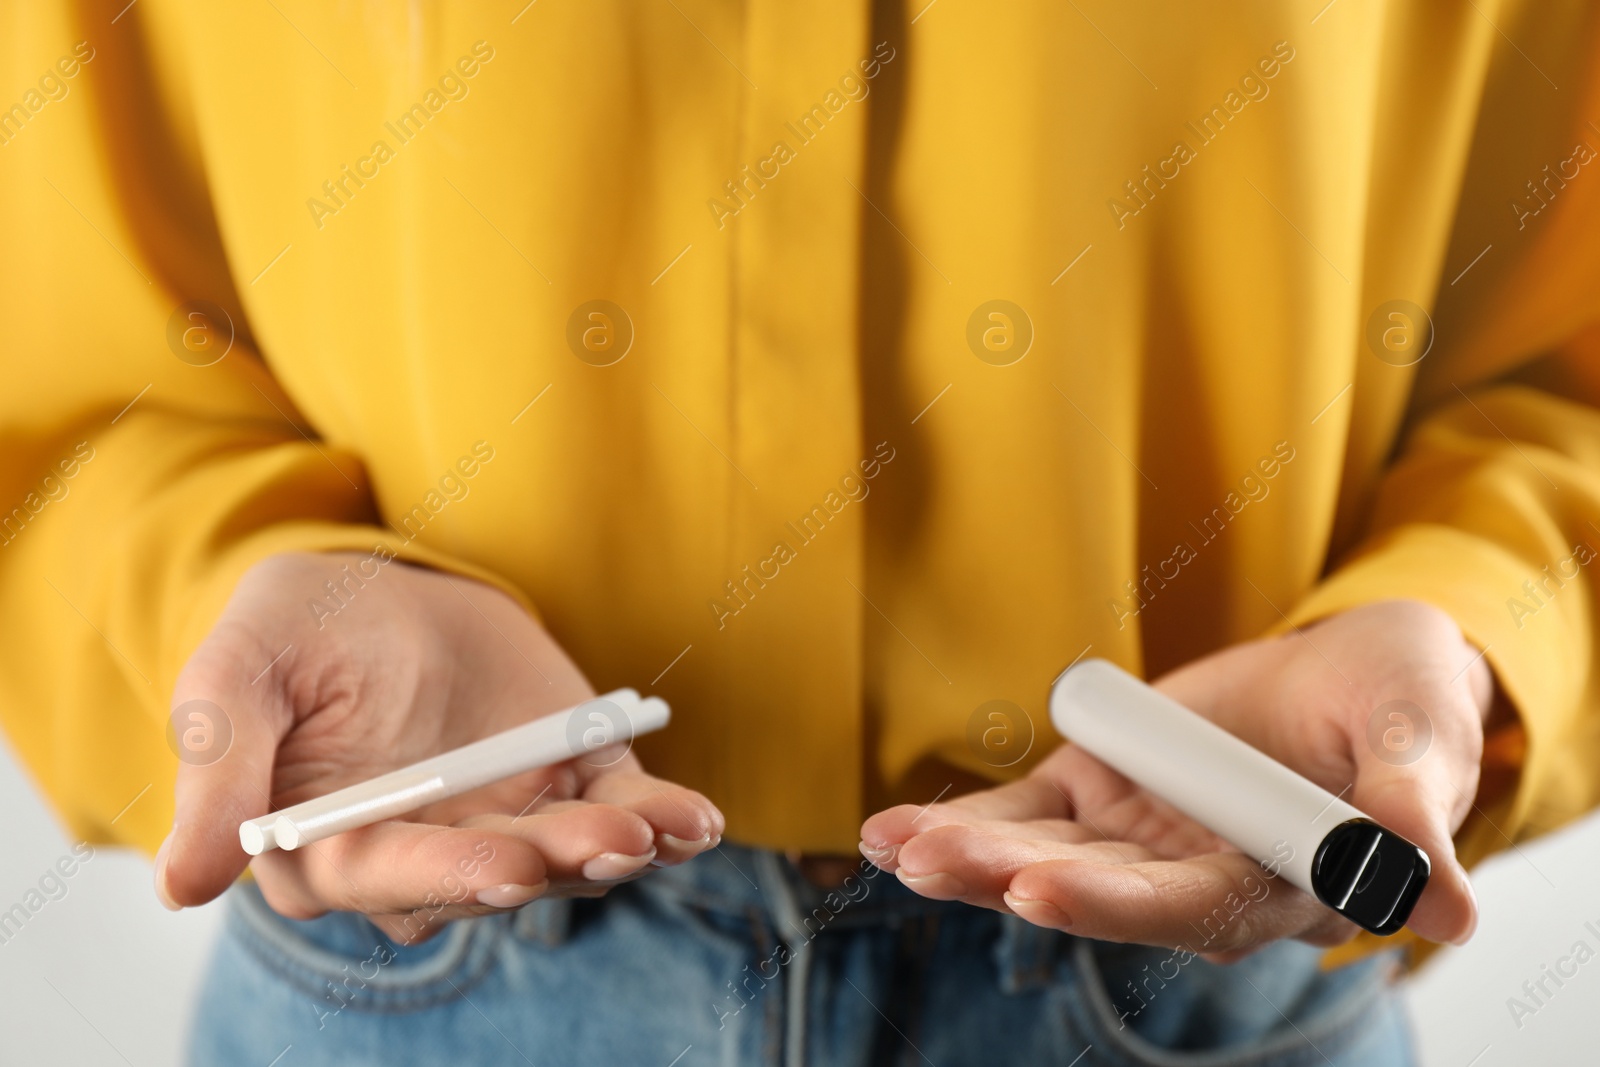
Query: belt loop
779, 891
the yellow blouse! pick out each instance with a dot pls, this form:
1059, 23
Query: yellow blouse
833, 370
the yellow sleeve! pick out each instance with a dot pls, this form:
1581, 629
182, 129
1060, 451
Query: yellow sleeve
1490, 508
1491, 513
137, 483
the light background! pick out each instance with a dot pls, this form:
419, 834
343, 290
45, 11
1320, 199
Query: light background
105, 975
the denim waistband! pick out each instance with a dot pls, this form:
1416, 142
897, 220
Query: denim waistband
764, 885
740, 906
734, 878
738, 880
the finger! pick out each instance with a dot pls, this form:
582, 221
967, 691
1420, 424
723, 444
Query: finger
414, 928
977, 863
1032, 797
1214, 903
1418, 801
1329, 930
685, 822
580, 841
1119, 810
1107, 803
400, 867
215, 703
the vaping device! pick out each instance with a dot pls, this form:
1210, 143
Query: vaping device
1365, 872
615, 718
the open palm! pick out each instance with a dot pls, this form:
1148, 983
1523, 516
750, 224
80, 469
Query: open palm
1076, 846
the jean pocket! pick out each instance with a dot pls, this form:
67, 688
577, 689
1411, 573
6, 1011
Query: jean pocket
342, 959
1149, 1007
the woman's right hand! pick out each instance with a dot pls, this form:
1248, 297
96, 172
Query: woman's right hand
414, 662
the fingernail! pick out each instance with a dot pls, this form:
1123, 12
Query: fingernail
609, 866
671, 850
1038, 912
876, 855
683, 844
162, 893
936, 885
511, 895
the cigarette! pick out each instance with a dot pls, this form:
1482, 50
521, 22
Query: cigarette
601, 723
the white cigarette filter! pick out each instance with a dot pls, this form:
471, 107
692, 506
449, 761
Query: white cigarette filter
598, 728
1365, 872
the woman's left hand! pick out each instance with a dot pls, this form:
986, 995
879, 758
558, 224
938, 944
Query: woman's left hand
1078, 847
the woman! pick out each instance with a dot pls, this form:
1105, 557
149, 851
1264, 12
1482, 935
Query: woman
840, 375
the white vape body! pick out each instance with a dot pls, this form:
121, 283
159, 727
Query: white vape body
1283, 820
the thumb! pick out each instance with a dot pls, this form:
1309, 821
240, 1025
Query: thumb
225, 730
1416, 796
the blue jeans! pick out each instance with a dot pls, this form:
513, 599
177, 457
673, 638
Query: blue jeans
734, 959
